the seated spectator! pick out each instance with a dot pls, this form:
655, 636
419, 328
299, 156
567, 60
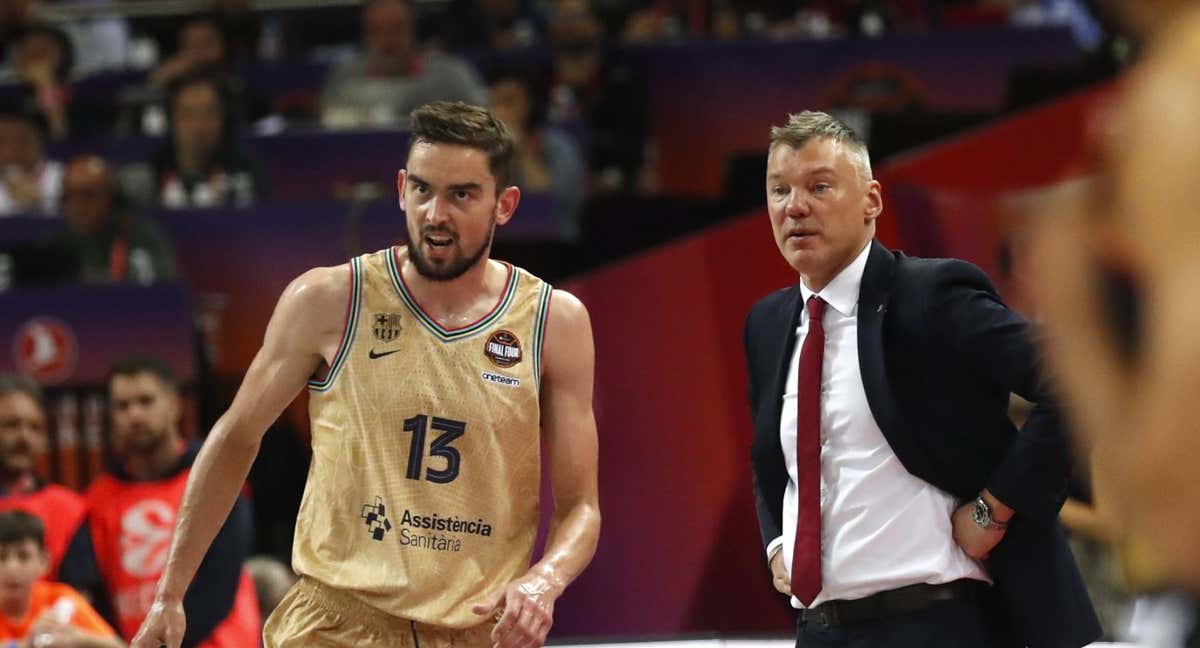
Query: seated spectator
200, 164
132, 511
393, 76
38, 612
201, 46
272, 580
103, 236
474, 25
29, 183
22, 441
241, 26
42, 59
608, 100
548, 160
203, 50
15, 15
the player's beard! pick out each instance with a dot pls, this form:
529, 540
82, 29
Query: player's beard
455, 267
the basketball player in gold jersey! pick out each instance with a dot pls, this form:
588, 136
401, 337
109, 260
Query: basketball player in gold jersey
1132, 372
430, 394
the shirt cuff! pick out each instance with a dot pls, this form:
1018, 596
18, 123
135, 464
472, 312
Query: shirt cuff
774, 547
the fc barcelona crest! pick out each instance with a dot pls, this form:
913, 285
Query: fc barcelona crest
386, 326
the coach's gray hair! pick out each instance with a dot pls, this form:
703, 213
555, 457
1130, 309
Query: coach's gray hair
810, 124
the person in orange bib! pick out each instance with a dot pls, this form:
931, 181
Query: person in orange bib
22, 439
132, 511
35, 612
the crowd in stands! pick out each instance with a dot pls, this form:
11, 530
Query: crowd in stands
109, 542
580, 113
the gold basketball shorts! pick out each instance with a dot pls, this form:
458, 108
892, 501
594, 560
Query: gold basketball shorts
312, 614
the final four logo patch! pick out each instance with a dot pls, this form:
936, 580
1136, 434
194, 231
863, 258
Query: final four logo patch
503, 349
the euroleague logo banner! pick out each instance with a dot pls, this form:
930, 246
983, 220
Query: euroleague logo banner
146, 530
46, 350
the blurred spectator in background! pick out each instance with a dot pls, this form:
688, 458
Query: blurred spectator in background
132, 513
29, 183
272, 580
241, 27
22, 442
41, 61
1073, 14
15, 15
607, 100
41, 57
107, 241
204, 49
548, 160
393, 75
473, 25
40, 612
201, 46
200, 164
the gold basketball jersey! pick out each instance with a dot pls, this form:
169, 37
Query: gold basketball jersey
423, 491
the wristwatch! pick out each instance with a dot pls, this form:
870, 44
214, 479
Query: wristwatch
982, 514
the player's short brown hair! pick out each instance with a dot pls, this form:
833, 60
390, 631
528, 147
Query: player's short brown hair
455, 122
810, 124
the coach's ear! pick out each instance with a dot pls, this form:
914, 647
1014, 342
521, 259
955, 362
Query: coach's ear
506, 204
874, 201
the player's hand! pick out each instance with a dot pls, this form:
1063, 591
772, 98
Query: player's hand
49, 632
528, 604
164, 626
780, 577
973, 539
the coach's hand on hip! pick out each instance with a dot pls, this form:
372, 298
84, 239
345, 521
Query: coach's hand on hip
779, 574
974, 538
164, 625
528, 605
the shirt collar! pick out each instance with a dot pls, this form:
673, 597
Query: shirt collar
842, 292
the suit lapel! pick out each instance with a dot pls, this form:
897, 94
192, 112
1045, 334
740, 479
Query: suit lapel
784, 339
873, 302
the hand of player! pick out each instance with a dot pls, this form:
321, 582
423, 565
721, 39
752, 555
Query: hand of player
780, 577
528, 610
164, 626
49, 632
975, 540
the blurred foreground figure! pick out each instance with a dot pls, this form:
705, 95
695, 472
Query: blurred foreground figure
1123, 249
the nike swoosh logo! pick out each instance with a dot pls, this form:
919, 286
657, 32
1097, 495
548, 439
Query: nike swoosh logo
372, 355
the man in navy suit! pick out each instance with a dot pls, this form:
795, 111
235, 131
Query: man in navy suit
898, 504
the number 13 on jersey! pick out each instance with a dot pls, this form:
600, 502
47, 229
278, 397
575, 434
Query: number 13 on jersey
449, 430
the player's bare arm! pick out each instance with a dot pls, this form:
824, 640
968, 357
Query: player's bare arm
1140, 412
569, 429
302, 335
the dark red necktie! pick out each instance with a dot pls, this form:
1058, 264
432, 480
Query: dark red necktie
806, 553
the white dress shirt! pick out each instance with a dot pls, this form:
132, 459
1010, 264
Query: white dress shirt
881, 527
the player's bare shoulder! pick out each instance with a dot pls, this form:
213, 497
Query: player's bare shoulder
568, 314
569, 345
314, 303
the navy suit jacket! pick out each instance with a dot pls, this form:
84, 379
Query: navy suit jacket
939, 355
